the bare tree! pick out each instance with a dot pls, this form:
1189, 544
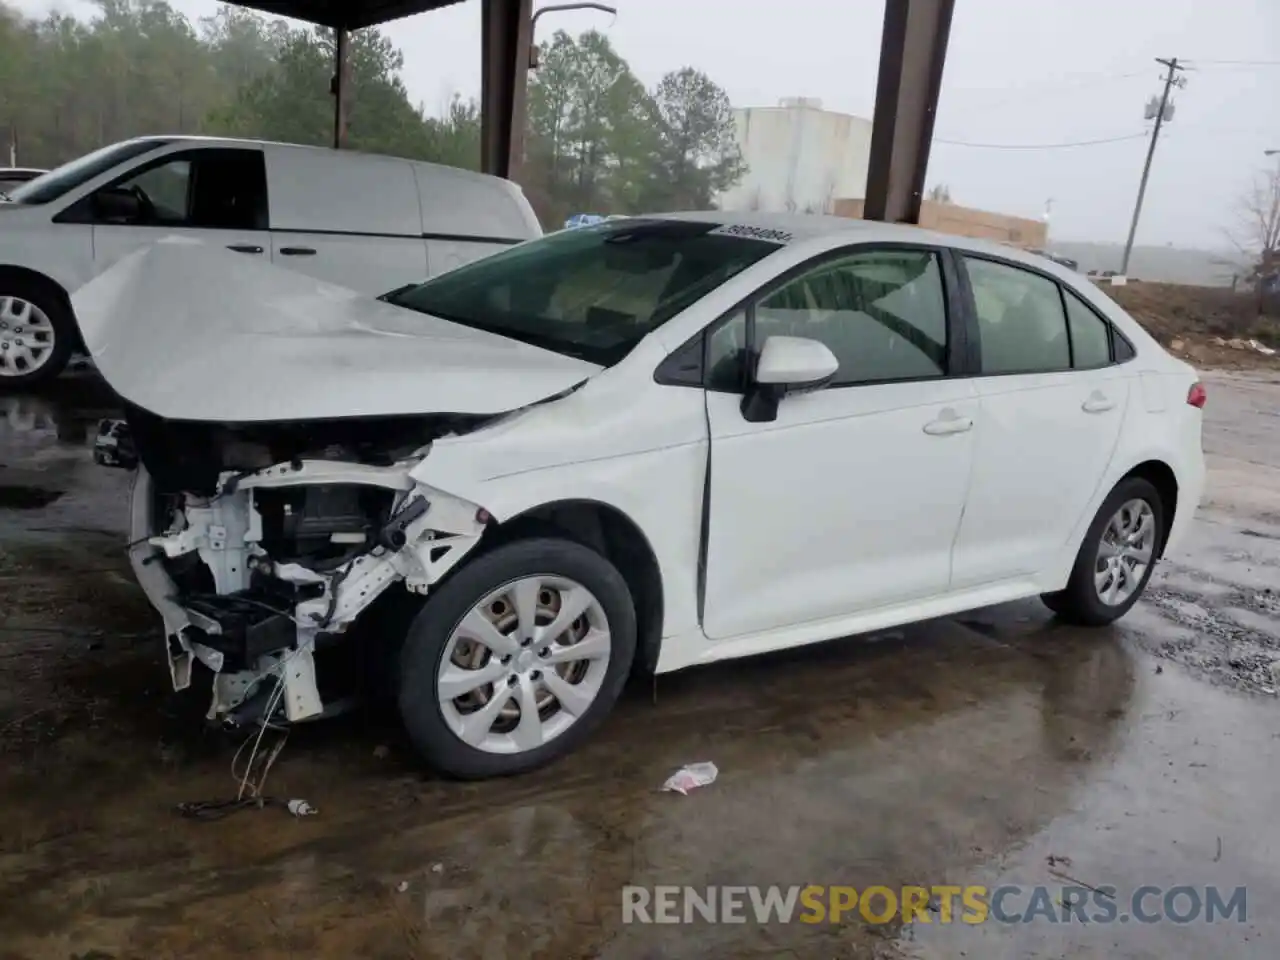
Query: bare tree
1257, 232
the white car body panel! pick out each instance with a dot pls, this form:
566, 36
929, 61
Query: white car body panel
851, 503
189, 332
1036, 465
858, 508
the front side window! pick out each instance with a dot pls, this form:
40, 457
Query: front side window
594, 292
881, 312
67, 177
1021, 324
209, 189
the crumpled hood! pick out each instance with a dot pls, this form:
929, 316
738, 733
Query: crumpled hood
193, 332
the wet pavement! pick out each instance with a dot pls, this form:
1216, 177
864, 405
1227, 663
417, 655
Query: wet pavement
995, 748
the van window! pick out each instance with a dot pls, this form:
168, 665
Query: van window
70, 175
215, 188
592, 293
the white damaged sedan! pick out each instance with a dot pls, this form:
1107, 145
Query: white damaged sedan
645, 444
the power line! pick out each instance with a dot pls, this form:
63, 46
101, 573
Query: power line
1040, 146
1233, 63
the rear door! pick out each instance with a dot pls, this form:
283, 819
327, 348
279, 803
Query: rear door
350, 219
1052, 401
214, 194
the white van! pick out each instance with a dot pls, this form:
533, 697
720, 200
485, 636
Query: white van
367, 222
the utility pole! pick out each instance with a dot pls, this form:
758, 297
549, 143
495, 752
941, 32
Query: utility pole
1170, 79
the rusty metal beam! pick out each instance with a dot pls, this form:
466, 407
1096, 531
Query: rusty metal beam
341, 86
913, 49
505, 37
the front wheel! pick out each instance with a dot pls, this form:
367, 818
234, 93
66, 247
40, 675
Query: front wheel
1117, 557
35, 334
516, 658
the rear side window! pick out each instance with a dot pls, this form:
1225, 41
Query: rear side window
881, 312
1022, 326
1090, 334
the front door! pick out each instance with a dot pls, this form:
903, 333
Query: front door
850, 499
216, 195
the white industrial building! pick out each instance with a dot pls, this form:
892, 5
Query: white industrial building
799, 158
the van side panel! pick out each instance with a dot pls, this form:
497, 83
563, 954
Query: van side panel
345, 218
466, 217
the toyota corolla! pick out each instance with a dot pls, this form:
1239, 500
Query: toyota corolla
640, 445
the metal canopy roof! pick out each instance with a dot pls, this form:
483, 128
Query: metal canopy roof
913, 50
345, 14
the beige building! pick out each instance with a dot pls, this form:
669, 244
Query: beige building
967, 222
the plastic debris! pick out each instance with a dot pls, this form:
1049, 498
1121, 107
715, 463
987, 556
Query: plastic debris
300, 808
691, 777
437, 868
402, 886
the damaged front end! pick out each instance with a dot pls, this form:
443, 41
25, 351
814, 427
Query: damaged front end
262, 545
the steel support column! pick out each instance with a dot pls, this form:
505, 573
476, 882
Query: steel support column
913, 50
505, 38
341, 86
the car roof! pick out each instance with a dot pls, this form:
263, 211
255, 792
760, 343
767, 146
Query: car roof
443, 169
805, 226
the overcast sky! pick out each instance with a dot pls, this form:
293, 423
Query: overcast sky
1018, 72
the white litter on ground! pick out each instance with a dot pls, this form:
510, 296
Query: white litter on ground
691, 777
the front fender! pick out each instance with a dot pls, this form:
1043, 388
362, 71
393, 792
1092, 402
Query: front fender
660, 491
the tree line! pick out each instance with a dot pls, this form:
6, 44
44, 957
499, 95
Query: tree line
597, 140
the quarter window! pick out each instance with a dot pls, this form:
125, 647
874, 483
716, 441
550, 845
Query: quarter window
881, 312
1090, 334
1021, 323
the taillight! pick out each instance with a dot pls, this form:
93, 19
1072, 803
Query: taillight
1196, 396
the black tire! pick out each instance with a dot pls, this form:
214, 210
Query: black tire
1079, 602
430, 631
59, 313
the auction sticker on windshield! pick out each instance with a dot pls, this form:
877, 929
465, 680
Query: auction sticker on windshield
753, 233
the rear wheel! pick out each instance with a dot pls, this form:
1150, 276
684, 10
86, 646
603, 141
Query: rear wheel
1117, 557
516, 658
36, 332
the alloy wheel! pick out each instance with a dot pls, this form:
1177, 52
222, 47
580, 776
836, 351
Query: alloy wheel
1125, 552
26, 337
524, 664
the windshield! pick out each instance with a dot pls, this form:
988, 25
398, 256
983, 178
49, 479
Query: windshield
591, 293
55, 183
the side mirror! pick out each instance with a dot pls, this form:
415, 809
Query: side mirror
786, 365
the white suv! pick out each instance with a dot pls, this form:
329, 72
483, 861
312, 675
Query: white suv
658, 442
369, 222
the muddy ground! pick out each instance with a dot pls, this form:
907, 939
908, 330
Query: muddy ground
996, 747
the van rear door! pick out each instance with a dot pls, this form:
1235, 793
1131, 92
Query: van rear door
345, 218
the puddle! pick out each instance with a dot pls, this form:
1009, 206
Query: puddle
20, 497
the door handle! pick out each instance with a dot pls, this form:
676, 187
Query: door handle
1097, 403
298, 251
244, 248
948, 423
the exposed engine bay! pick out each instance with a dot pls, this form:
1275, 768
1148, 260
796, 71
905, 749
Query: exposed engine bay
261, 545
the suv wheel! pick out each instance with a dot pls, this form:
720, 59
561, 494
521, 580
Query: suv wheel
516, 658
